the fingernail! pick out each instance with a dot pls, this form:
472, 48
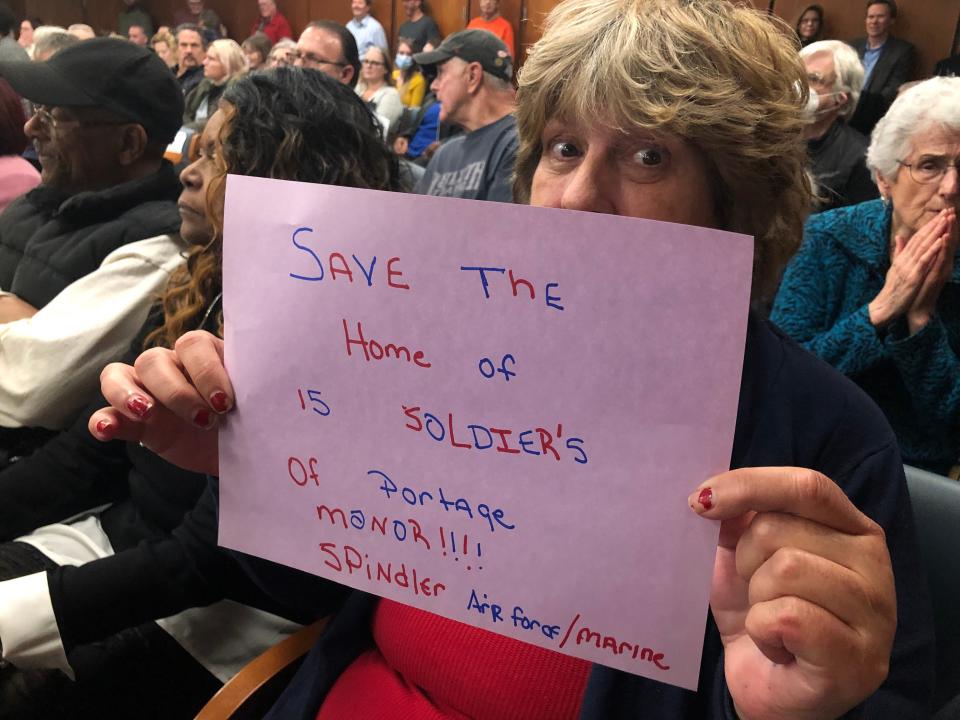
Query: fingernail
138, 405
103, 426
202, 418
219, 401
705, 499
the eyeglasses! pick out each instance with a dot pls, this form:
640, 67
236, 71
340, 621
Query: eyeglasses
309, 59
374, 63
47, 119
930, 169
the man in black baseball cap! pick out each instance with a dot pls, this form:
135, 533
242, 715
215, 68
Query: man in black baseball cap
474, 88
84, 254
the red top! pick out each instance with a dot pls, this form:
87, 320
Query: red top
500, 27
426, 667
276, 28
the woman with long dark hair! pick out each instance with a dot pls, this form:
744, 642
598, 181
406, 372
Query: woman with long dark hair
17, 176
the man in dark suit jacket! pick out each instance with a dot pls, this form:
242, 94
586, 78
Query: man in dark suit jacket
888, 63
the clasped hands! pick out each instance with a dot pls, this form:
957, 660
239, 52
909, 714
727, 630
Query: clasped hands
802, 591
919, 268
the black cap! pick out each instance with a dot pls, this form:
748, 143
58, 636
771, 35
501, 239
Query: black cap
112, 74
479, 46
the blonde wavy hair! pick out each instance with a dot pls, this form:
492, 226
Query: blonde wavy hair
231, 56
723, 77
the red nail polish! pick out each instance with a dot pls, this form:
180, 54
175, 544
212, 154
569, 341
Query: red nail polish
705, 498
219, 401
138, 405
102, 426
202, 418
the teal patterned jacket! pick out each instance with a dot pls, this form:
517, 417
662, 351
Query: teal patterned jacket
822, 304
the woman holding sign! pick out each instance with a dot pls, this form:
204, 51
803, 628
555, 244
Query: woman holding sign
688, 113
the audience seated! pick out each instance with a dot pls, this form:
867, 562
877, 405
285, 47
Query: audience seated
164, 44
83, 255
48, 40
367, 31
376, 86
257, 50
491, 20
191, 49
473, 87
598, 84
138, 36
82, 31
809, 26
330, 48
27, 26
17, 176
419, 27
873, 290
407, 77
276, 124
837, 151
203, 17
271, 23
10, 50
888, 62
134, 14
223, 62
282, 54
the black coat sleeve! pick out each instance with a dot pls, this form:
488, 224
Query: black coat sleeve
69, 474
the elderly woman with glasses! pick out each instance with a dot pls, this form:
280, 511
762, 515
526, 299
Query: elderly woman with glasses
874, 289
817, 602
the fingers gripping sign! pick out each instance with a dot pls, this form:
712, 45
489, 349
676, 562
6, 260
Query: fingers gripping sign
803, 593
170, 401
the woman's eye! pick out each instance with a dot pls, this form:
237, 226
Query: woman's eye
929, 165
564, 149
649, 157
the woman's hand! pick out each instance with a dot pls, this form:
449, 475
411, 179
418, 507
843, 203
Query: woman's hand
169, 401
912, 261
925, 303
803, 593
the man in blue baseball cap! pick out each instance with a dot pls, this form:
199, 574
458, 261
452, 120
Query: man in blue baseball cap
83, 255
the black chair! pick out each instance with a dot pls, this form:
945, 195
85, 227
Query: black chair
936, 512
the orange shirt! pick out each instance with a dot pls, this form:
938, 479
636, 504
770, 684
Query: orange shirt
499, 27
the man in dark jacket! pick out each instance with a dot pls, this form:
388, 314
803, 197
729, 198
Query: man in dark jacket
83, 255
837, 151
888, 62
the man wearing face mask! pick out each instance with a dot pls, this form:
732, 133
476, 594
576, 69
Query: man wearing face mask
837, 151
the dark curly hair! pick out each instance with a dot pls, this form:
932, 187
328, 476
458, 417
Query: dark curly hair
285, 123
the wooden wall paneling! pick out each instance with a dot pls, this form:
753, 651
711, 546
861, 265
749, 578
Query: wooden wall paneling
58, 12
19, 8
928, 24
532, 15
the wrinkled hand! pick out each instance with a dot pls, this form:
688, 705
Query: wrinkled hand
925, 303
171, 401
803, 594
912, 260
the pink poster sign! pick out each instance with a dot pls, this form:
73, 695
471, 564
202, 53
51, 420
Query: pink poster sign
491, 412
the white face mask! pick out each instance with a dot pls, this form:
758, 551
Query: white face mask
816, 106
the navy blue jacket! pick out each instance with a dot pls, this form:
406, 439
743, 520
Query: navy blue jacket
794, 410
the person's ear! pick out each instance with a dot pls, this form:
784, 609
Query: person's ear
474, 76
346, 74
884, 186
842, 98
132, 140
